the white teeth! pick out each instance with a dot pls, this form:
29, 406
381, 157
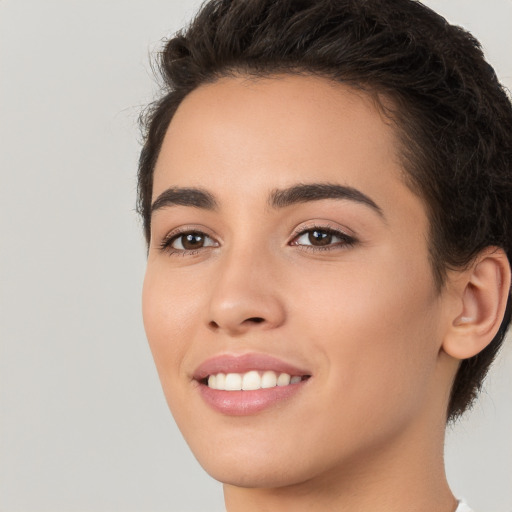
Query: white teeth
221, 381
233, 382
251, 380
283, 379
269, 380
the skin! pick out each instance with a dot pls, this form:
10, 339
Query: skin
365, 318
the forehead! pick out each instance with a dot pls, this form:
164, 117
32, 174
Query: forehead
249, 136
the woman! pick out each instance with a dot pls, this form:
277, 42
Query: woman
325, 188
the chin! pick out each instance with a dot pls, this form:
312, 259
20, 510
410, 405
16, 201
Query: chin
247, 474
250, 461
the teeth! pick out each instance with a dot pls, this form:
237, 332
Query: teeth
251, 380
221, 381
269, 380
283, 379
233, 382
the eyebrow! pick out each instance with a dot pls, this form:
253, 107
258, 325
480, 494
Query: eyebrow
304, 193
177, 196
278, 198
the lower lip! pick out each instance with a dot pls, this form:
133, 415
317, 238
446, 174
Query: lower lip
245, 403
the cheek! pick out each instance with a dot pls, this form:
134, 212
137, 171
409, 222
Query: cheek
375, 331
169, 310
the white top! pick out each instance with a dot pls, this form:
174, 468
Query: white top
463, 507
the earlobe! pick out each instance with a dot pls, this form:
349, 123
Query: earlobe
483, 296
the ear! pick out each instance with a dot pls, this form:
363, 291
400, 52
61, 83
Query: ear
482, 292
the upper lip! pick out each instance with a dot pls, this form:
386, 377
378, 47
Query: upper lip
232, 363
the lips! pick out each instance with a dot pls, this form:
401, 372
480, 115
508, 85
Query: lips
245, 363
223, 382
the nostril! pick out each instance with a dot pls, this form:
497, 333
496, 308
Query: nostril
255, 320
235, 324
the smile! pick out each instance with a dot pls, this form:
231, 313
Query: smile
240, 385
252, 380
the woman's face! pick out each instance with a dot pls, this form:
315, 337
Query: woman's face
294, 249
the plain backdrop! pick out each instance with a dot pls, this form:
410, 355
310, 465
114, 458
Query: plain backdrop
83, 422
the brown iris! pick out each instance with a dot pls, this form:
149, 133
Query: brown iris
320, 238
192, 241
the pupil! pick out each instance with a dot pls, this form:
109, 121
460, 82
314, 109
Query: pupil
320, 238
192, 241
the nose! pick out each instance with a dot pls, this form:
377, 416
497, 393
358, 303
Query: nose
245, 296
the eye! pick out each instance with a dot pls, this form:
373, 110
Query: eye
188, 241
322, 238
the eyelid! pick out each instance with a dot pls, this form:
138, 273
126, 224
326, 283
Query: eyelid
323, 225
348, 239
165, 243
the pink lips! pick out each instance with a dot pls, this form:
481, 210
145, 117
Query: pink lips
244, 363
241, 403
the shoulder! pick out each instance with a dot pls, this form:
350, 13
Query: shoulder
463, 508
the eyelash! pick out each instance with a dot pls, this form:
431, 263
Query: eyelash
166, 244
346, 240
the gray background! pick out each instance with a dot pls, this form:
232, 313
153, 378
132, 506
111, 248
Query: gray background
83, 422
